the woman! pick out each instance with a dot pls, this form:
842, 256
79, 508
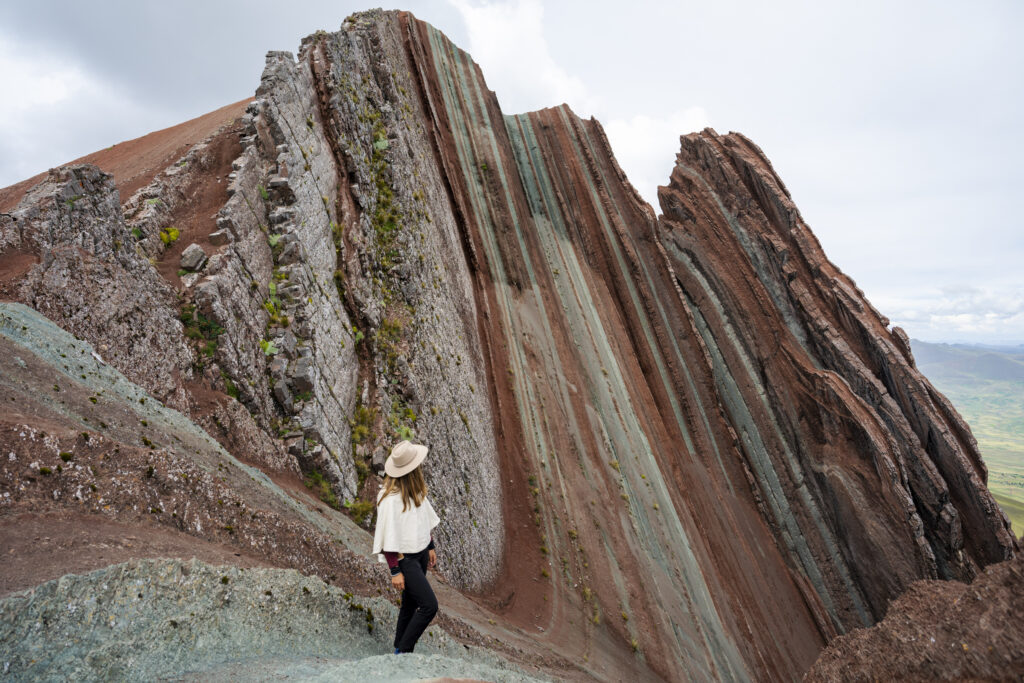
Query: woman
405, 519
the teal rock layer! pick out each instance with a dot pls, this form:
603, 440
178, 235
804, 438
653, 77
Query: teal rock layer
731, 450
680, 446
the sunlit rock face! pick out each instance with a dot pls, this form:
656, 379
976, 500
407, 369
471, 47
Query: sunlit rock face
680, 445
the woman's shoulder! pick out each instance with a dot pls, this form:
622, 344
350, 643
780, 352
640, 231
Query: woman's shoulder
382, 498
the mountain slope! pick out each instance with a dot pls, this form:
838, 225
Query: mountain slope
675, 447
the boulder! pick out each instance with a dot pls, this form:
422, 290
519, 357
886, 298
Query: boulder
193, 258
302, 375
220, 238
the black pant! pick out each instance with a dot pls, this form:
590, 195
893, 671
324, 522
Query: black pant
418, 602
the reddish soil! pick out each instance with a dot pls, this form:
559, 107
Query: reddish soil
939, 631
14, 263
112, 501
205, 194
107, 485
134, 163
518, 594
773, 614
558, 513
40, 547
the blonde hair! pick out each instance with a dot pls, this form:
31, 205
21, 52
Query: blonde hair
411, 486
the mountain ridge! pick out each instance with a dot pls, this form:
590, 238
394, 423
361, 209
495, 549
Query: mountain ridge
392, 255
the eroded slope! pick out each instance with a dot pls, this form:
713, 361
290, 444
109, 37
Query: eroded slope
683, 447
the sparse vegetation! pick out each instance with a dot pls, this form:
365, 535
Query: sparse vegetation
200, 328
229, 387
362, 423
359, 510
317, 483
169, 235
362, 471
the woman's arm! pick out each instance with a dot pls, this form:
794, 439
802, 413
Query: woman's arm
392, 560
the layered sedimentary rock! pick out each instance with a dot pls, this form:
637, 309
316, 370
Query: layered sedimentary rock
683, 446
83, 271
856, 456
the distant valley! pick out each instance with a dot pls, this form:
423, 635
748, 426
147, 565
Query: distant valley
986, 384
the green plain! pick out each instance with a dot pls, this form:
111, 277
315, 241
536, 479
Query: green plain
986, 388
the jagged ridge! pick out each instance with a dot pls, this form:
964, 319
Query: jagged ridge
692, 433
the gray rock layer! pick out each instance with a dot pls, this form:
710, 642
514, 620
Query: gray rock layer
93, 280
148, 619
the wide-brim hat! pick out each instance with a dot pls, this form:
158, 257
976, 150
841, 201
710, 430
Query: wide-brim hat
404, 458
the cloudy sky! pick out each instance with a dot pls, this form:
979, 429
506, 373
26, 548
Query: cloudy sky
896, 125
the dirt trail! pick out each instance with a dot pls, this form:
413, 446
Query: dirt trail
39, 547
205, 195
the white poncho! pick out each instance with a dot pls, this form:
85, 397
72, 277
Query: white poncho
403, 532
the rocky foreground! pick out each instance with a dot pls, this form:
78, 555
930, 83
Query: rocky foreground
938, 631
154, 619
663, 447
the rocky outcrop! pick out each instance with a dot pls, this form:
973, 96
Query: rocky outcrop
151, 619
708, 377
78, 435
682, 447
366, 235
853, 453
938, 631
90, 277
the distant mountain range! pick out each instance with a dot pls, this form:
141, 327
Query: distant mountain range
974, 362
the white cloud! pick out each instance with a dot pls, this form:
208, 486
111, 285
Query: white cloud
959, 313
507, 41
55, 111
646, 146
37, 84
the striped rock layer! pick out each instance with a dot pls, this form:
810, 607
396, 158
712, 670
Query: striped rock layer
680, 446
730, 456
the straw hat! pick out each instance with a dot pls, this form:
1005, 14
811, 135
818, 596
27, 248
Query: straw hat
404, 458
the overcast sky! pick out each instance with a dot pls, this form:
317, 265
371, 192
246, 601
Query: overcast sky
897, 125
